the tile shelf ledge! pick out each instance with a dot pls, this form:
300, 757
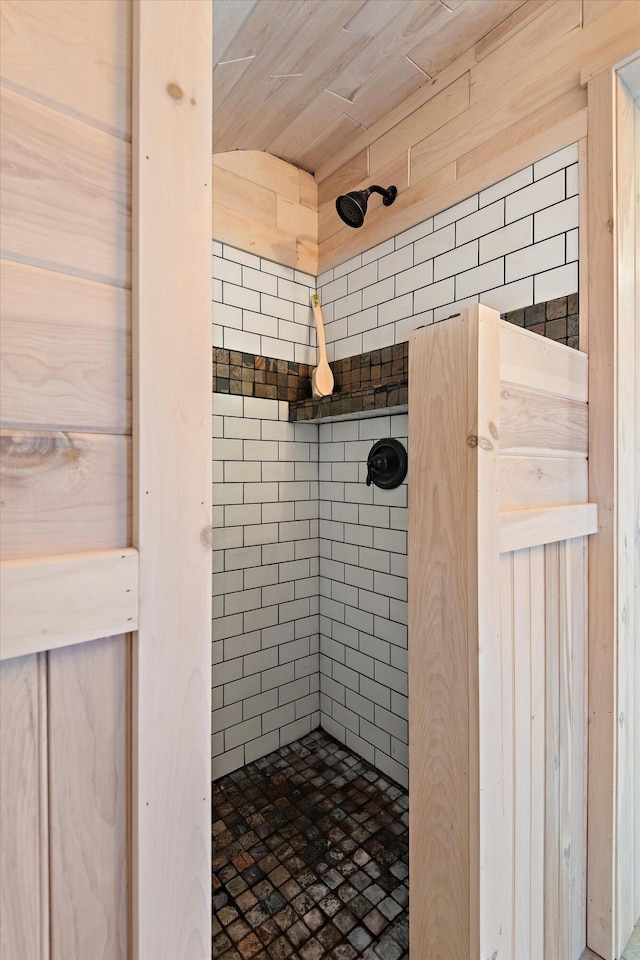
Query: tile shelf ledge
391, 398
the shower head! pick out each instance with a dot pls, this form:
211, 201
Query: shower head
352, 206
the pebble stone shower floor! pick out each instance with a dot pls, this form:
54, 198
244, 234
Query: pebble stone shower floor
310, 858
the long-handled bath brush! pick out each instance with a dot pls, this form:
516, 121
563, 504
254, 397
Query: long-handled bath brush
321, 377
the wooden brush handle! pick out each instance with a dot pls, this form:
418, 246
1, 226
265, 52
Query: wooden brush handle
322, 347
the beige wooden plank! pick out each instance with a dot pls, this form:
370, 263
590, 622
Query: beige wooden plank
440, 721
552, 762
45, 47
528, 528
537, 424
333, 125
528, 482
511, 25
342, 156
229, 16
308, 191
63, 492
602, 583
535, 136
294, 218
540, 37
506, 894
259, 168
592, 10
537, 363
522, 752
628, 511
66, 352
240, 195
171, 671
495, 657
24, 899
64, 195
253, 36
577, 562
297, 48
69, 599
567, 759
88, 800
452, 101
537, 614
264, 241
472, 21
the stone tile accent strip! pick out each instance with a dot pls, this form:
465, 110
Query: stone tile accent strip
248, 375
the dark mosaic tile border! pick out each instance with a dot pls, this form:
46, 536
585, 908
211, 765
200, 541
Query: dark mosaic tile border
367, 381
558, 320
248, 375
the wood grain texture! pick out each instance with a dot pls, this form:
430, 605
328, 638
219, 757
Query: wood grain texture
536, 424
530, 482
63, 492
24, 894
171, 708
88, 799
528, 528
66, 352
536, 363
64, 194
602, 441
266, 207
526, 101
45, 48
60, 601
440, 723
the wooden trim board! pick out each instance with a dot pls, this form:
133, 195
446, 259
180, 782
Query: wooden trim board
528, 528
59, 601
171, 653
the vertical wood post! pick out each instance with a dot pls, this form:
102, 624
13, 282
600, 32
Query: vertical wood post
171, 815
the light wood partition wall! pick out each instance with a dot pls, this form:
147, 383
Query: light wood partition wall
497, 652
614, 482
267, 207
104, 734
514, 97
65, 469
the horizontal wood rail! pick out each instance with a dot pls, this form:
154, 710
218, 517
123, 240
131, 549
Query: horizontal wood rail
58, 601
531, 528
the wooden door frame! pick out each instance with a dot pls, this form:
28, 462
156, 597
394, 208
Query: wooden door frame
171, 685
611, 420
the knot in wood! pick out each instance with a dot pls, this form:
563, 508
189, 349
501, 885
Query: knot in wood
472, 441
175, 91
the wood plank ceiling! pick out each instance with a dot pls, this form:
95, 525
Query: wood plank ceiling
298, 78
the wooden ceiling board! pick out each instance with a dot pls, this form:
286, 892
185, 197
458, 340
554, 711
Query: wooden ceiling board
253, 36
230, 15
298, 48
359, 61
471, 22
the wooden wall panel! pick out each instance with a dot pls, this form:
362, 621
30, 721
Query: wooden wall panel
45, 47
66, 352
171, 663
267, 207
64, 197
63, 492
24, 894
88, 740
526, 100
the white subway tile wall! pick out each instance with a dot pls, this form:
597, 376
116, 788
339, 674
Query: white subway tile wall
310, 564
512, 245
363, 597
266, 579
261, 307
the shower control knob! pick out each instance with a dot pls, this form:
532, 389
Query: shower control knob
386, 464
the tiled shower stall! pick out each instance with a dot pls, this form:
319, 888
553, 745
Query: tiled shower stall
310, 581
309, 648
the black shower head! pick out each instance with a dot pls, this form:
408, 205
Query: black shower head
352, 206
